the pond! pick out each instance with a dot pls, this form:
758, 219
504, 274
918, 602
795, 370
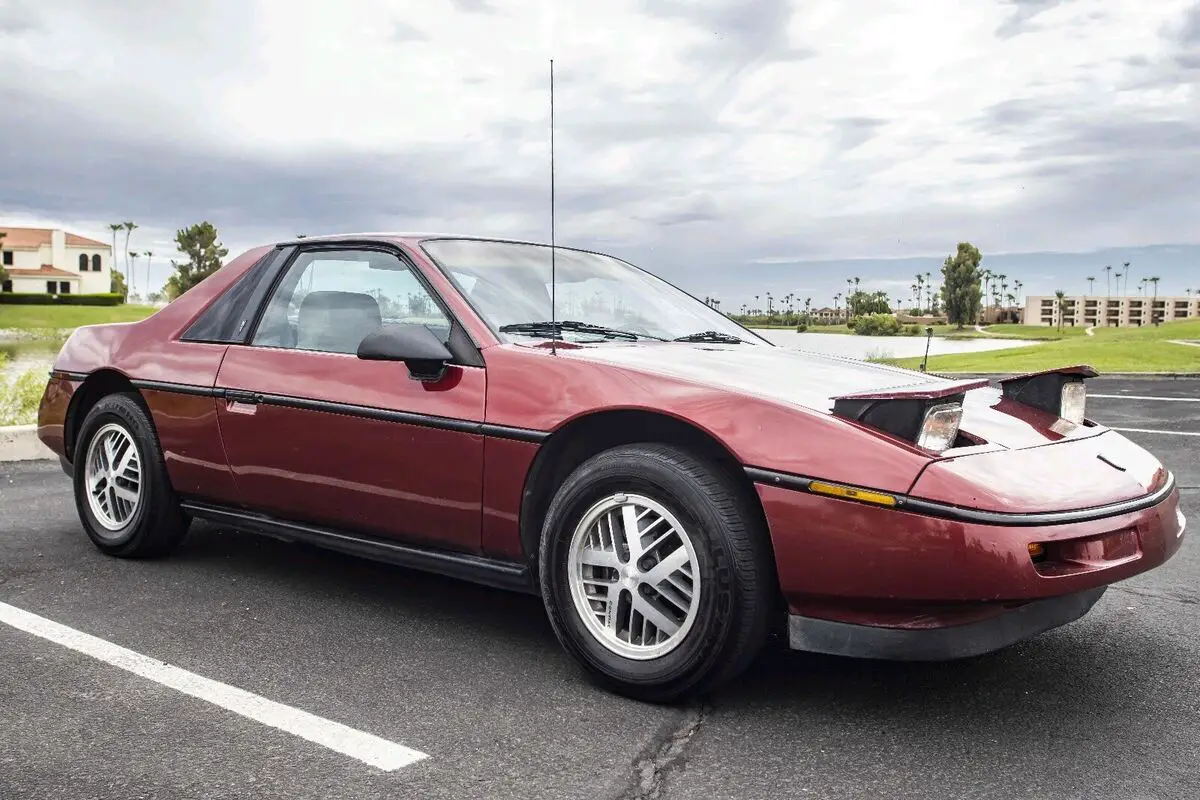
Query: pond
853, 346
27, 354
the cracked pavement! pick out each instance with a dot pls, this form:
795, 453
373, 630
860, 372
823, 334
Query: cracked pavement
1103, 708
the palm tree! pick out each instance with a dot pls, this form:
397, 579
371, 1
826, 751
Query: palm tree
1154, 300
128, 225
1091, 284
1060, 294
115, 227
148, 256
1127, 277
837, 306
133, 265
849, 297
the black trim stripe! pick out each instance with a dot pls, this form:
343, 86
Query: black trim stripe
977, 516
351, 410
178, 388
68, 375
465, 566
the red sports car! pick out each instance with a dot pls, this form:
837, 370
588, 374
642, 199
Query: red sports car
671, 484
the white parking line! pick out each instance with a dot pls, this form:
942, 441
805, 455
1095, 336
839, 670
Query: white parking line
365, 747
1148, 430
1143, 397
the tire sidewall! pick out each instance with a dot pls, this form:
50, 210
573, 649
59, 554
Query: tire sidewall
653, 479
126, 413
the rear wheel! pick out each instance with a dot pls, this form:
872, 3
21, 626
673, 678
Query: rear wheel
122, 492
655, 572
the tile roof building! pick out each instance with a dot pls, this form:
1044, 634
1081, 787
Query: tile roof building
53, 261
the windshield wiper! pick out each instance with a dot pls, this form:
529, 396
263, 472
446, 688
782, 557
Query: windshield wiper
709, 336
575, 327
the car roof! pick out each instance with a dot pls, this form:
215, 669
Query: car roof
411, 237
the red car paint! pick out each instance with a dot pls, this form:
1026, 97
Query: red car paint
462, 490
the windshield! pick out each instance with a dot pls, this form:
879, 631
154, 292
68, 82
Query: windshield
508, 283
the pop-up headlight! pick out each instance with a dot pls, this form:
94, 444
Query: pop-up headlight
940, 427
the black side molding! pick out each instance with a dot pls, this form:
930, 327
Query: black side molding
464, 566
351, 410
931, 508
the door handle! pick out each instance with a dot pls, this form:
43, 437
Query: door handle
239, 396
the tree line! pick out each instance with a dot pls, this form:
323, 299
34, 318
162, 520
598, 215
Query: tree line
957, 292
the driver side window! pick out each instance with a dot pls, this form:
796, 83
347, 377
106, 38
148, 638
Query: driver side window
329, 301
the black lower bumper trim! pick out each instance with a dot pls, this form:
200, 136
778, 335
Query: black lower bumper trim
939, 644
464, 566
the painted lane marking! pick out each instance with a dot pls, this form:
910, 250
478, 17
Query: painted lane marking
1144, 397
1148, 430
365, 747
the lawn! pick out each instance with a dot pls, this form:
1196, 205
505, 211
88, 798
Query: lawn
1147, 349
52, 318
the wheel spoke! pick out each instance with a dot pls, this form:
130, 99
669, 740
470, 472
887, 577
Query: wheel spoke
657, 618
663, 569
594, 557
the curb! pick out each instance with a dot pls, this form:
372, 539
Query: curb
21, 443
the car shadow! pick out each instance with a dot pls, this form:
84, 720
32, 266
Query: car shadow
1065, 672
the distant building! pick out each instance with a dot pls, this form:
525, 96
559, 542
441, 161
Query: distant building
52, 261
1109, 312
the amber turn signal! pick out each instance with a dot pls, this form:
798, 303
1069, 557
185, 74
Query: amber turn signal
850, 493
1036, 550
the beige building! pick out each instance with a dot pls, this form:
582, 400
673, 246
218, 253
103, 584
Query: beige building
1110, 312
50, 261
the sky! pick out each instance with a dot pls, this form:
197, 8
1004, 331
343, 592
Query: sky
734, 147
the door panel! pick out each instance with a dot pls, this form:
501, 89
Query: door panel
328, 438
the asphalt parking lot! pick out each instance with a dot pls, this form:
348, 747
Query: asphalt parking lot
473, 679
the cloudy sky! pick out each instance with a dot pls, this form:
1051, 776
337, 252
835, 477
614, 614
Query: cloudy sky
737, 147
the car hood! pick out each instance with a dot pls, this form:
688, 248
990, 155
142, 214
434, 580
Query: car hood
812, 381
791, 376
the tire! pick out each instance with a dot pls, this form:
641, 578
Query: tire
721, 627
156, 524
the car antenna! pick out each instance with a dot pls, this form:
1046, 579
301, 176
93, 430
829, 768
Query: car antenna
553, 276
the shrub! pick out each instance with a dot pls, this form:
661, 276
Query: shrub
876, 325
108, 299
801, 328
21, 395
853, 321
913, 330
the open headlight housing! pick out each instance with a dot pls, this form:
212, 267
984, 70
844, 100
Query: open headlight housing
1060, 392
939, 429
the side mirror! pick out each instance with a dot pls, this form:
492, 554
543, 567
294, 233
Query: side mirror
419, 348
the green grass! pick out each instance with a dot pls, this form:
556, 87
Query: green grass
55, 318
1145, 349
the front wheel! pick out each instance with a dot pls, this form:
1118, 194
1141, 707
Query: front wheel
656, 572
122, 492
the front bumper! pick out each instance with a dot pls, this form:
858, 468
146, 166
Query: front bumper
939, 644
863, 579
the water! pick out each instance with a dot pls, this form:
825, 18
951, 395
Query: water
24, 355
853, 346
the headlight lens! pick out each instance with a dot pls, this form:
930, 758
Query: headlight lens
940, 428
1073, 402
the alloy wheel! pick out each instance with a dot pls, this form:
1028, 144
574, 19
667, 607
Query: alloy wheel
113, 477
634, 576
